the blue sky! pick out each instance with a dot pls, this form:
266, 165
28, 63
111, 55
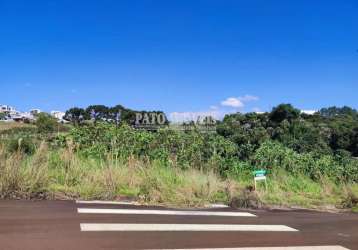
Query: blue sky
178, 55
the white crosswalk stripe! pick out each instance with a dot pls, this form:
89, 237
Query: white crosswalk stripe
106, 202
162, 212
183, 227
271, 248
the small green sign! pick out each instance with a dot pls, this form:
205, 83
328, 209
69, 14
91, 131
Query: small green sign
260, 173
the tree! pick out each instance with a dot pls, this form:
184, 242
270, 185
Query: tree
335, 111
284, 112
247, 131
99, 112
354, 142
126, 115
302, 136
109, 114
76, 115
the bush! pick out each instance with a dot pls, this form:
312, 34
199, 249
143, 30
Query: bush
23, 145
2, 116
274, 156
175, 148
46, 123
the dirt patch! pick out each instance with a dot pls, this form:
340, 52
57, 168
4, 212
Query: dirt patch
248, 198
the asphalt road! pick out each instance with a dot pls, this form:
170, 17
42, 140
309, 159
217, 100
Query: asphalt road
66, 225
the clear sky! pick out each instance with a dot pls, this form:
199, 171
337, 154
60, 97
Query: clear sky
178, 55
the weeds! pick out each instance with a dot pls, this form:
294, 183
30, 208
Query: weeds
170, 168
351, 200
11, 179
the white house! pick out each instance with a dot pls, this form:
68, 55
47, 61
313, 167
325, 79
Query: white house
7, 109
58, 114
14, 115
309, 112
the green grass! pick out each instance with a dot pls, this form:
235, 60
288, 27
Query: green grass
65, 174
286, 190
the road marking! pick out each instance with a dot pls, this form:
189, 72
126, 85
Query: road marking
184, 227
136, 203
107, 202
218, 206
273, 248
161, 212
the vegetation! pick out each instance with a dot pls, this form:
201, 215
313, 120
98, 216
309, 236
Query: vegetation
103, 113
8, 127
45, 123
311, 160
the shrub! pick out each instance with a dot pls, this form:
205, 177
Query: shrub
45, 123
175, 148
23, 145
272, 155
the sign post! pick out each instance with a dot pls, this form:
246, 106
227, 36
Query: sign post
260, 175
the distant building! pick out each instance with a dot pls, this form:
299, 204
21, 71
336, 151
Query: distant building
35, 111
13, 115
58, 114
22, 117
7, 109
308, 112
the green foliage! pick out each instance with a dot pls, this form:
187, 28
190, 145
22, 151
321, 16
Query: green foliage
335, 111
24, 145
303, 137
284, 112
304, 155
104, 113
45, 123
183, 149
19, 132
76, 115
272, 155
246, 131
208, 151
103, 161
325, 132
353, 147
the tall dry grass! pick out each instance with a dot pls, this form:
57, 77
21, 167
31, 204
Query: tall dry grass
149, 183
66, 174
11, 178
22, 176
13, 125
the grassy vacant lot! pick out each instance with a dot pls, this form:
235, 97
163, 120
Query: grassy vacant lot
64, 174
105, 162
13, 125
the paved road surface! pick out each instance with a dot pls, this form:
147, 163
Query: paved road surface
66, 225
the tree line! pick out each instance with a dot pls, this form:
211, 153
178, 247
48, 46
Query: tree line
329, 131
116, 114
332, 130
